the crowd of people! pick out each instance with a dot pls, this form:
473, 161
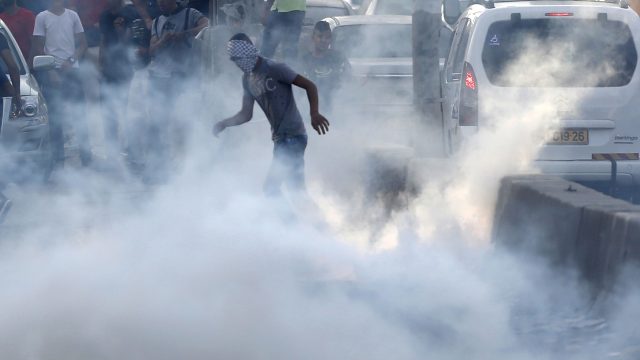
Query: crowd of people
157, 37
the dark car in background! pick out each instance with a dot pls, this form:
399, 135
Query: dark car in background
380, 53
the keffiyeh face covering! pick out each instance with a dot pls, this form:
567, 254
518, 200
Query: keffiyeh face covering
243, 54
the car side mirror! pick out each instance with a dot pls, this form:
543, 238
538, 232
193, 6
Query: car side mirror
451, 11
43, 62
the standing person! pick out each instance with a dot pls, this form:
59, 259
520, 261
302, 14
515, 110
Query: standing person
59, 33
269, 84
116, 61
21, 23
283, 24
172, 63
324, 65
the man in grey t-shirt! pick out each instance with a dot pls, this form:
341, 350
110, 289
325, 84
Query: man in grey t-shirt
269, 84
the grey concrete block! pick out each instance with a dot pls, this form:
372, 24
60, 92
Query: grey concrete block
568, 224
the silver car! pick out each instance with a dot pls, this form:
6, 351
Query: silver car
379, 49
24, 134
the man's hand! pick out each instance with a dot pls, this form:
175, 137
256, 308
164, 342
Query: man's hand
119, 25
148, 22
218, 128
66, 65
319, 123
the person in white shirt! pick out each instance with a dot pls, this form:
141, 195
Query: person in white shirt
58, 32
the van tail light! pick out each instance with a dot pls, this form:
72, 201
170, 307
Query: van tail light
558, 14
469, 98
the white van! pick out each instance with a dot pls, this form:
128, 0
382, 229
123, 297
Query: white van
579, 56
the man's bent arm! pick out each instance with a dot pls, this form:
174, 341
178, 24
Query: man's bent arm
319, 122
312, 92
245, 114
202, 23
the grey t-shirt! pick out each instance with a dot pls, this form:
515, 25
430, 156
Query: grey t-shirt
174, 58
270, 86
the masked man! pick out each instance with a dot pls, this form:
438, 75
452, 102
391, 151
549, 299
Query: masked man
269, 84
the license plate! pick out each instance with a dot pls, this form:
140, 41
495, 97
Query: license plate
569, 137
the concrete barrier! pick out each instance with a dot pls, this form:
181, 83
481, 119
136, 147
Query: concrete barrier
387, 172
568, 224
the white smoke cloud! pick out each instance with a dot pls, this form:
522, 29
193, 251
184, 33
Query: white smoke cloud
206, 267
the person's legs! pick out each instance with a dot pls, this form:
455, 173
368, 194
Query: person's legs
294, 157
115, 96
158, 136
287, 166
291, 29
52, 89
272, 35
75, 113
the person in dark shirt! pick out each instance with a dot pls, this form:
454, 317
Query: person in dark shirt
324, 65
117, 58
270, 85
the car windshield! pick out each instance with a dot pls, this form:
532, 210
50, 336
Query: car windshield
394, 7
559, 52
374, 41
14, 52
317, 13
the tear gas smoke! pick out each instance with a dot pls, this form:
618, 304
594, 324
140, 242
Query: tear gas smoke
206, 267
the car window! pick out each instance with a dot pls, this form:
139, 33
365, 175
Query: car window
456, 49
559, 52
317, 13
16, 58
374, 41
394, 7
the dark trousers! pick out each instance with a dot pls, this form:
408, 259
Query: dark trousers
287, 166
115, 100
282, 28
167, 129
67, 110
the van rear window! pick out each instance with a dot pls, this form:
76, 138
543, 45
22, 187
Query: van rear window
559, 52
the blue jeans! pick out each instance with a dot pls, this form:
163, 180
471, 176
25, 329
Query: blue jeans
287, 166
285, 28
